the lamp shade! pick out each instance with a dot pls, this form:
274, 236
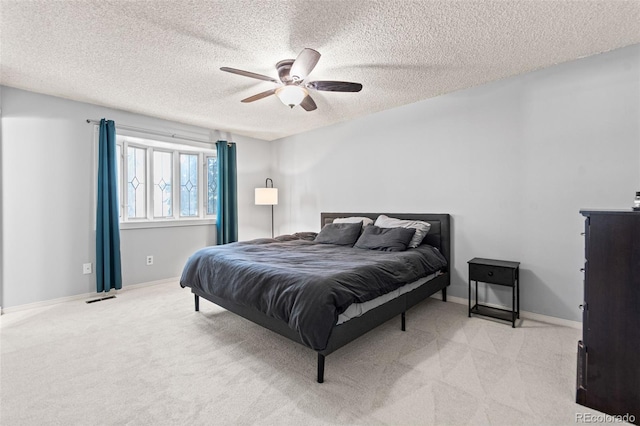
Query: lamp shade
267, 196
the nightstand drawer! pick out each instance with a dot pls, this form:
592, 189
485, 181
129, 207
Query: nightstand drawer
492, 274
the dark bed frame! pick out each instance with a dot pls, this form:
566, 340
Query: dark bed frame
439, 236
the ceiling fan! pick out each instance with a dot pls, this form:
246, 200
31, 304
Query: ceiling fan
292, 88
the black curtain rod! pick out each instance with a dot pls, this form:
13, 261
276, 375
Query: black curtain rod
155, 132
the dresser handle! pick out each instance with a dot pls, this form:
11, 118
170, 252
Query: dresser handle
490, 273
582, 307
581, 269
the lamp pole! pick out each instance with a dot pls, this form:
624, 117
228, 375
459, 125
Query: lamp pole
267, 196
266, 184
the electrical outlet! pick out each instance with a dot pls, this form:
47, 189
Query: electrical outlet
86, 268
149, 260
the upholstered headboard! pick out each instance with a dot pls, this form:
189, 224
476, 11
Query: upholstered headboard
439, 235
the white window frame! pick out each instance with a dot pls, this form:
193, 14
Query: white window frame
151, 145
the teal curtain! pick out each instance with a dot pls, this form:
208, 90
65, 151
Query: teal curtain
108, 266
227, 219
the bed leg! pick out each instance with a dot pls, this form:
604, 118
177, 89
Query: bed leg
197, 301
320, 368
403, 326
444, 294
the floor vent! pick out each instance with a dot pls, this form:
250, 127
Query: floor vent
100, 299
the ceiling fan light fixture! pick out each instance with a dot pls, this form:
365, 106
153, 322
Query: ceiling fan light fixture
291, 95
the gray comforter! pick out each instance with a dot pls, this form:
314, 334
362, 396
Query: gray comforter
303, 283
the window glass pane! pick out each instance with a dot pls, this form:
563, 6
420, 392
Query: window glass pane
119, 176
212, 185
188, 185
136, 172
162, 187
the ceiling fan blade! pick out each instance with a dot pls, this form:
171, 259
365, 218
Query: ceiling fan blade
249, 74
304, 63
259, 96
308, 104
335, 86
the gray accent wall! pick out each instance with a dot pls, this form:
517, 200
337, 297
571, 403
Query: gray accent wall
1, 210
512, 161
48, 198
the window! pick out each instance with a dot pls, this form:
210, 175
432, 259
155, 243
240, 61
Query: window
188, 185
165, 182
162, 183
136, 189
118, 171
212, 185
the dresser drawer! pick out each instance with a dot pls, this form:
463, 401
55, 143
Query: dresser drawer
492, 274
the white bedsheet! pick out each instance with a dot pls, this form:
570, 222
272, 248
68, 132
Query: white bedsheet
357, 309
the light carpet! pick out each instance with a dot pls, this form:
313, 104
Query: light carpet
146, 358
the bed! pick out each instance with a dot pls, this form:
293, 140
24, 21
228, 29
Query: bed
300, 288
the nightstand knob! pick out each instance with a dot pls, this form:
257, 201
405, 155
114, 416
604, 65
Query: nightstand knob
490, 273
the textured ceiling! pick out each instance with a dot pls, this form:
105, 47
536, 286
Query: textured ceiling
162, 58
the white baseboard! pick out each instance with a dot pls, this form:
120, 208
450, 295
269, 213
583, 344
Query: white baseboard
523, 314
87, 296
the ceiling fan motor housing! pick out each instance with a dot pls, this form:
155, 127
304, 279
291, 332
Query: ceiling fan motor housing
284, 67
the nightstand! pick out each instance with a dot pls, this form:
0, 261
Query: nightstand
498, 272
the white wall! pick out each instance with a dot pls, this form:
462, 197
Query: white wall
512, 161
48, 196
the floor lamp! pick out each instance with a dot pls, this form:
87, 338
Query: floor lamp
267, 196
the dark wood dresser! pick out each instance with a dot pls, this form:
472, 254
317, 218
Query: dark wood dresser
608, 378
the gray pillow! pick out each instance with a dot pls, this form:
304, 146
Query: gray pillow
421, 227
344, 234
385, 239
